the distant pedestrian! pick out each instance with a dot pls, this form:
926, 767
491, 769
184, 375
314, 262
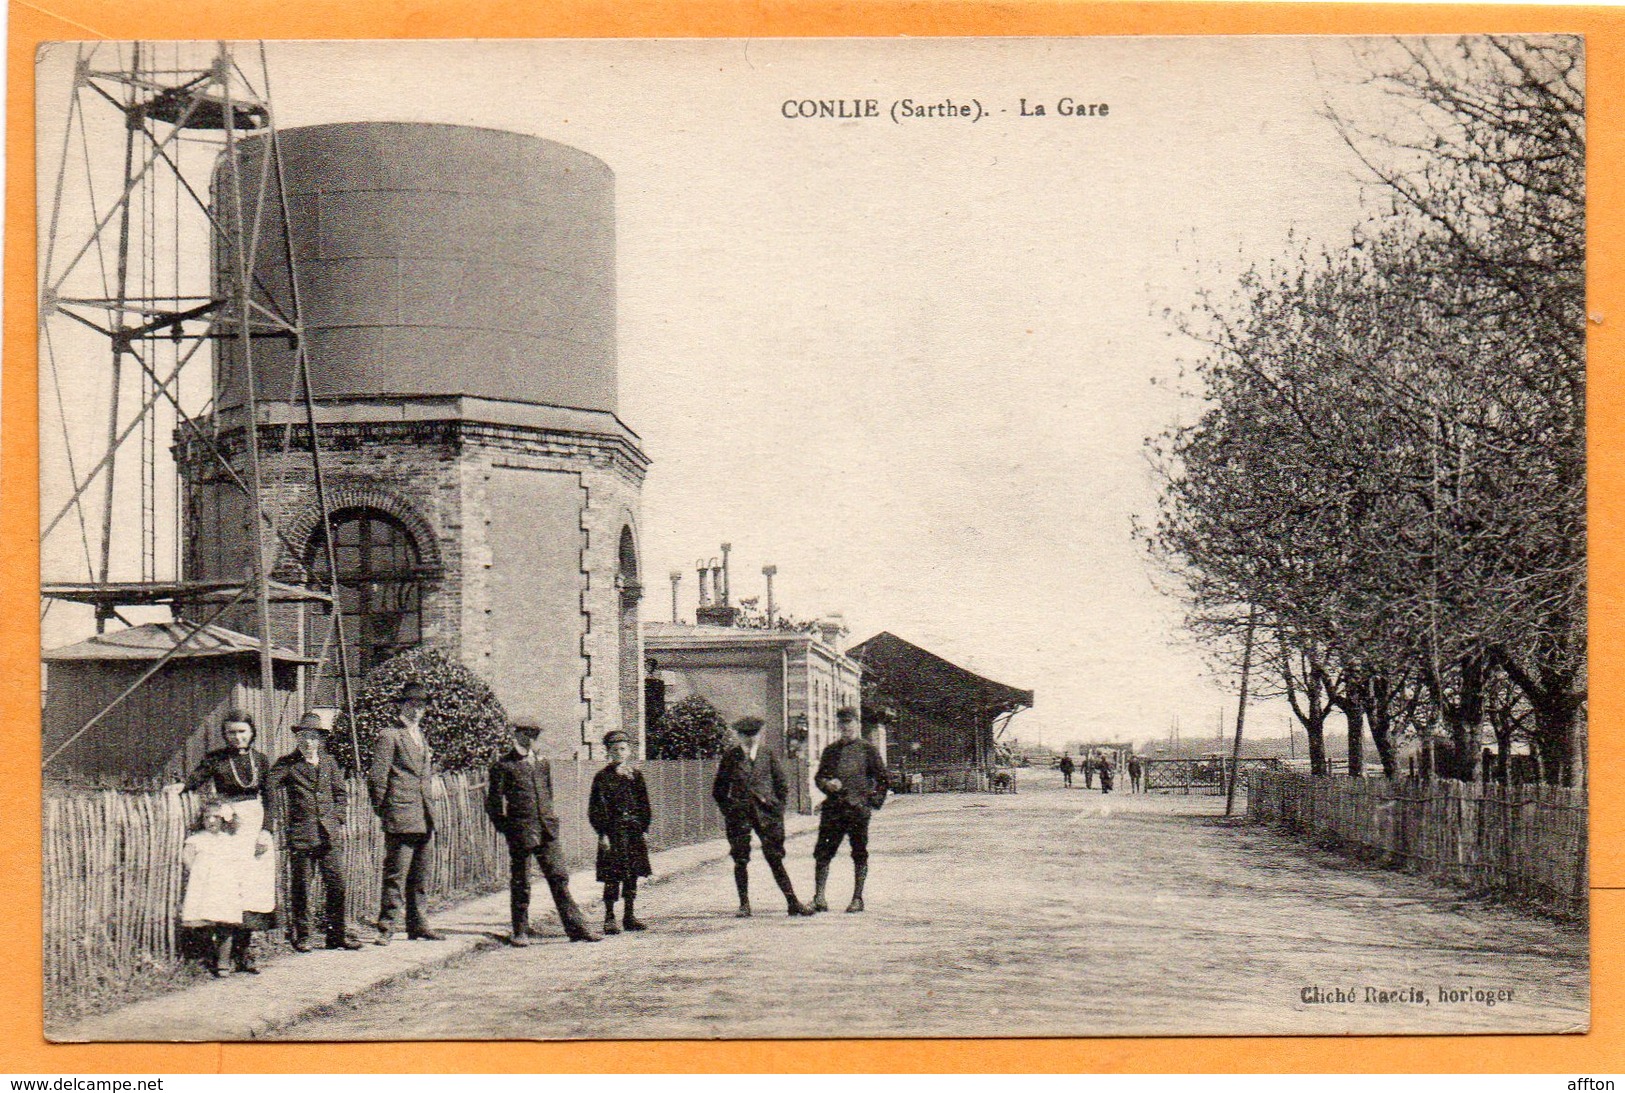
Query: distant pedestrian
519, 801
314, 798
1066, 771
1089, 762
853, 778
750, 790
654, 697
1135, 771
618, 809
1105, 772
400, 783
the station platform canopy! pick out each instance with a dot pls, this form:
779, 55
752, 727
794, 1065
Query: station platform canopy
905, 670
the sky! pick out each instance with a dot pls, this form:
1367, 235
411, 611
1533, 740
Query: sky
912, 363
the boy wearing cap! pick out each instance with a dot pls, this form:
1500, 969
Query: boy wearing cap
519, 801
853, 777
399, 784
311, 789
618, 810
750, 790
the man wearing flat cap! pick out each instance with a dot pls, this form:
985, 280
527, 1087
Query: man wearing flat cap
519, 801
852, 776
750, 790
400, 783
310, 787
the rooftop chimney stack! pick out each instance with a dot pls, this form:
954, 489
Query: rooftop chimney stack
676, 579
717, 609
830, 628
768, 571
702, 569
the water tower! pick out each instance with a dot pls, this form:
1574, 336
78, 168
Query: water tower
457, 293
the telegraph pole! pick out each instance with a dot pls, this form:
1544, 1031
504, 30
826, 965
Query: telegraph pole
1241, 711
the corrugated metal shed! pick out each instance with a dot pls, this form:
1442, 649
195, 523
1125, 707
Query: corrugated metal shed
160, 731
152, 640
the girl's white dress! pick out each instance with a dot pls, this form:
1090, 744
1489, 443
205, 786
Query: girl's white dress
214, 880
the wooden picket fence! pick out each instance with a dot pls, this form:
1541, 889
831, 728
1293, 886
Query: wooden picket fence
113, 877
1527, 841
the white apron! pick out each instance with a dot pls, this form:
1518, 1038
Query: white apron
257, 874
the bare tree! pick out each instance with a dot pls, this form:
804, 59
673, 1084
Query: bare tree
1390, 465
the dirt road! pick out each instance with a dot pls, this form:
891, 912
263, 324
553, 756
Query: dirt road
1051, 912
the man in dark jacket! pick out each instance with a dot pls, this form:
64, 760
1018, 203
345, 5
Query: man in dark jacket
313, 798
853, 778
750, 790
400, 782
519, 801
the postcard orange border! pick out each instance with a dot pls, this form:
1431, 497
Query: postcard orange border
22, 1050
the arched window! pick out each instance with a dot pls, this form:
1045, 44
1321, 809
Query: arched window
380, 588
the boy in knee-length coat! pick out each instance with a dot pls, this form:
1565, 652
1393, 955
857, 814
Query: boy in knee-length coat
618, 809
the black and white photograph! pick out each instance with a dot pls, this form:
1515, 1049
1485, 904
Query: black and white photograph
679, 539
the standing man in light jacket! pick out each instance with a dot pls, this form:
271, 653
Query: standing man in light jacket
853, 777
399, 783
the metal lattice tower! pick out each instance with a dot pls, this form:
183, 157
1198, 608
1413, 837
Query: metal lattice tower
151, 251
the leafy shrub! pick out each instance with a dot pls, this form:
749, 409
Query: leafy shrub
465, 723
691, 729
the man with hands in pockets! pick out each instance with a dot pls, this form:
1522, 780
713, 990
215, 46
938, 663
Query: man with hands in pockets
853, 778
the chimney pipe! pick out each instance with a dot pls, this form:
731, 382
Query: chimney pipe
727, 585
768, 571
705, 596
829, 628
676, 579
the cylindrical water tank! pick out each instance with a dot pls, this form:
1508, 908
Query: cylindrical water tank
432, 260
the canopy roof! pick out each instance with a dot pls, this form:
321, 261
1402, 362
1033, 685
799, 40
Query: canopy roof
911, 674
152, 640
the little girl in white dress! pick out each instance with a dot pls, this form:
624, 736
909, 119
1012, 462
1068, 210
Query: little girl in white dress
214, 882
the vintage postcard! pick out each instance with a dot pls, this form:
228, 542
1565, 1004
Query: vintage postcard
693, 539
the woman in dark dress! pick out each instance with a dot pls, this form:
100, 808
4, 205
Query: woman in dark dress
237, 773
618, 810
